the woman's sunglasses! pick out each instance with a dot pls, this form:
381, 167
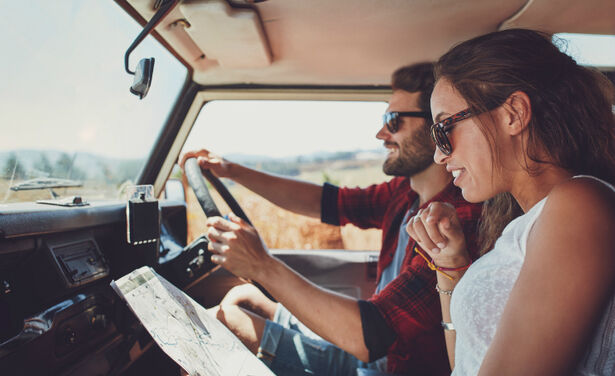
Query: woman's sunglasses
440, 130
391, 119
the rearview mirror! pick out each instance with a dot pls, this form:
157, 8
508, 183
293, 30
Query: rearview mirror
143, 73
142, 77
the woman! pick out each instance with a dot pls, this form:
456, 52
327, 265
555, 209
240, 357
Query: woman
517, 116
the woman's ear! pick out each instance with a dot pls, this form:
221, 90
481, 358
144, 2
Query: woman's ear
518, 112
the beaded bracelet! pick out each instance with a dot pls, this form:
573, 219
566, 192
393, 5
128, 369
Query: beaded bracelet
444, 292
440, 269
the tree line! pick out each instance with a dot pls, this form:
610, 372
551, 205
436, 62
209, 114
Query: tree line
64, 168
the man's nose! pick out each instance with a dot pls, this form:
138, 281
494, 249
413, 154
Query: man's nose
383, 133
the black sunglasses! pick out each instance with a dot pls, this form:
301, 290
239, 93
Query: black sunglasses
391, 119
439, 130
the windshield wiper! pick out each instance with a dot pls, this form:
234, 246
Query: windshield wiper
45, 183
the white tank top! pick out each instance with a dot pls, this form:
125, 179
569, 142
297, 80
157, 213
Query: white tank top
479, 298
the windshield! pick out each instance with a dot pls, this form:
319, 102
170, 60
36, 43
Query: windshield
315, 141
70, 125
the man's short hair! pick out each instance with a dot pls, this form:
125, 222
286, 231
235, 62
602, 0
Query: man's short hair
413, 78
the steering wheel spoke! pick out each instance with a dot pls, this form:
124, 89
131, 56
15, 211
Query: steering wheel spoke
199, 186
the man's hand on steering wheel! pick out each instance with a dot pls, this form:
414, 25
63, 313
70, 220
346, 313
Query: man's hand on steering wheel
237, 247
207, 160
249, 253
195, 171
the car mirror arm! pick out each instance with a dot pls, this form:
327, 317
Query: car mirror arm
145, 69
164, 7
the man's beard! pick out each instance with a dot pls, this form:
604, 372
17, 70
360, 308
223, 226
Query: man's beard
414, 155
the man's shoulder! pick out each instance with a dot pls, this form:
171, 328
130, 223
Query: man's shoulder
392, 185
387, 192
396, 184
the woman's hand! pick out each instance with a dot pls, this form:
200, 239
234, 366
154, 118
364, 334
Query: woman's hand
237, 247
209, 161
438, 231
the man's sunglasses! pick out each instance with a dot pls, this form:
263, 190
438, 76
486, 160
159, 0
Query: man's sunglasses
391, 119
440, 130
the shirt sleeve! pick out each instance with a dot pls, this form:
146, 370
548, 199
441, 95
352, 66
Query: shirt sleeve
377, 334
409, 303
328, 205
363, 207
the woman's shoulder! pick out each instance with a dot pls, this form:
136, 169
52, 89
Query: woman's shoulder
580, 198
583, 190
578, 215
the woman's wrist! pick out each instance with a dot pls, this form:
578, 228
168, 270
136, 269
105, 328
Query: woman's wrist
449, 284
452, 263
440, 264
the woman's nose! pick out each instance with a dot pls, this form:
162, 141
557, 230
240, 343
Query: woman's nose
439, 157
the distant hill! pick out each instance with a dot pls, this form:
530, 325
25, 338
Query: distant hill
295, 165
88, 166
313, 157
78, 166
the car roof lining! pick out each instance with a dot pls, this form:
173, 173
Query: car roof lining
359, 42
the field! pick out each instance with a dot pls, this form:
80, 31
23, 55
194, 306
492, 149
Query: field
281, 229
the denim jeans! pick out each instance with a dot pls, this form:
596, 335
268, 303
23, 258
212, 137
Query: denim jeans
289, 348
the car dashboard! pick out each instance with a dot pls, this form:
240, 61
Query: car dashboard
56, 305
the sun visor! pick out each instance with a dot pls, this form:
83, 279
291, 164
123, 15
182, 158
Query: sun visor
232, 36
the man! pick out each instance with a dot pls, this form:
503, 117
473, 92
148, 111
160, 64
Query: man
402, 319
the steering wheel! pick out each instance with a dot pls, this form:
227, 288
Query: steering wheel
197, 183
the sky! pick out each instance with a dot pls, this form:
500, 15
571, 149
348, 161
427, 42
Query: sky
63, 81
596, 50
63, 87
286, 128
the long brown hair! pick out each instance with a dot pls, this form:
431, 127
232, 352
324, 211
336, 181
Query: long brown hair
572, 124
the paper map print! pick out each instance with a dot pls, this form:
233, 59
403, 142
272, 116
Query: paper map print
184, 330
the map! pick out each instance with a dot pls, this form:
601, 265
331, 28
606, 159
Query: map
184, 330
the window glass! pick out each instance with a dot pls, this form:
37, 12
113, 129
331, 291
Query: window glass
310, 140
589, 49
66, 113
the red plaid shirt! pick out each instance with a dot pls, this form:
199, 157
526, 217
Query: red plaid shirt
409, 304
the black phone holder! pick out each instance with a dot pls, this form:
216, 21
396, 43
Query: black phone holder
143, 222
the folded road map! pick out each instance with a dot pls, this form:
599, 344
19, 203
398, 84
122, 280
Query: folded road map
184, 330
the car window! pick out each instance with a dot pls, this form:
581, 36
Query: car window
317, 141
70, 125
588, 49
